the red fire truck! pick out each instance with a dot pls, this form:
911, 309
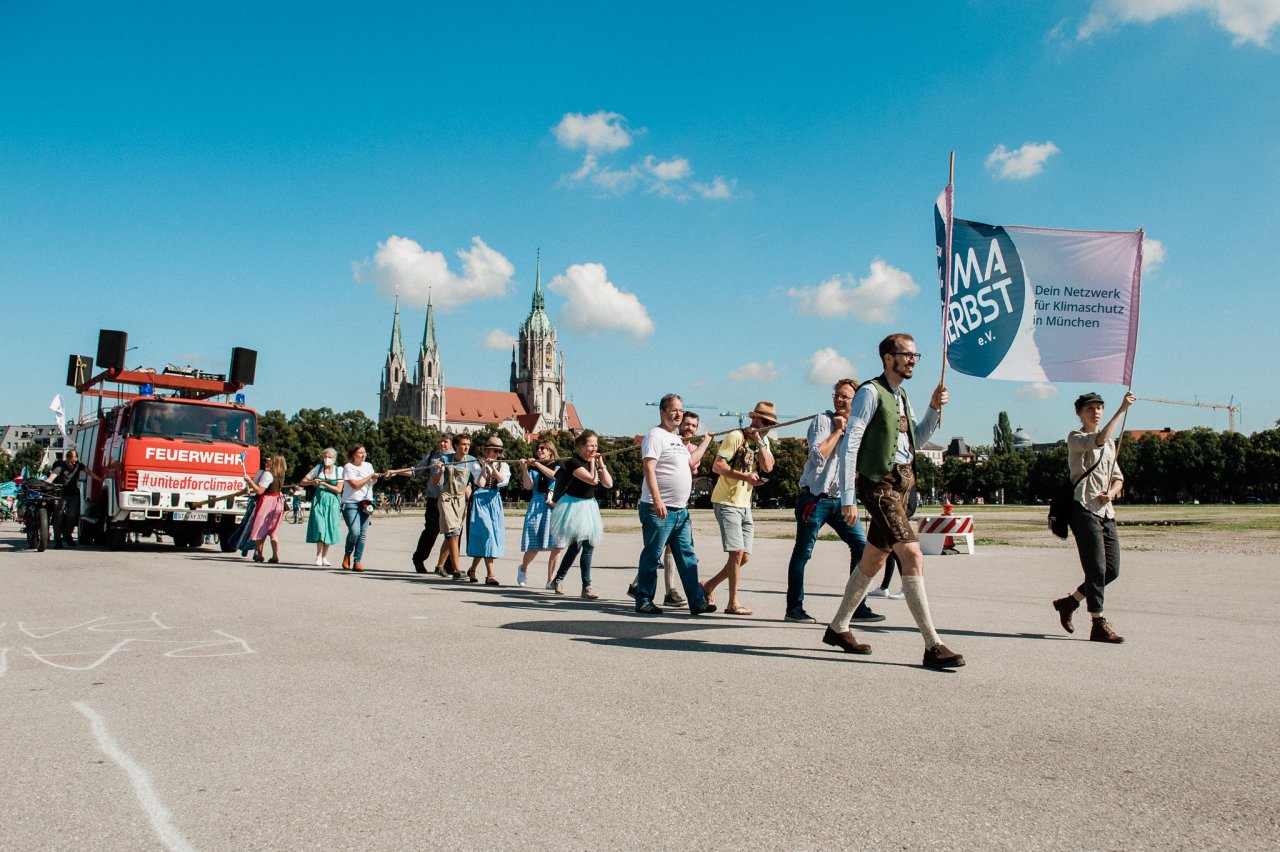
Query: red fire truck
170, 455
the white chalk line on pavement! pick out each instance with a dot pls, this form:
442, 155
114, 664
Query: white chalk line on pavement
4, 661
147, 797
57, 630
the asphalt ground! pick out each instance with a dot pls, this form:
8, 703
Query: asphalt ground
158, 698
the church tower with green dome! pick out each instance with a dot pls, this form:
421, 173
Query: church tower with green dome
537, 365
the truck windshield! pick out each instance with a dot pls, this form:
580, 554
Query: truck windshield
194, 422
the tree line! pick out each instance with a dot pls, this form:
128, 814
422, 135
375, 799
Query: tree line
1160, 467
1194, 464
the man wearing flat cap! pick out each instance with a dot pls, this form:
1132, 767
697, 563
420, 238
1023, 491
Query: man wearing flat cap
739, 457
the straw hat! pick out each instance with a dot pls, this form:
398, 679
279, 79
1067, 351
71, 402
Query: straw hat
494, 443
766, 412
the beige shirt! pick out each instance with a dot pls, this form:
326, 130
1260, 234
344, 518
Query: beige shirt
1082, 452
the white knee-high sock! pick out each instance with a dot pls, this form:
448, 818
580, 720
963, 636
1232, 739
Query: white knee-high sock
918, 603
854, 591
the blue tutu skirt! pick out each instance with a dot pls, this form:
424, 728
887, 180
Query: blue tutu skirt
577, 519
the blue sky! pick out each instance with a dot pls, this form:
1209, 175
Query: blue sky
266, 175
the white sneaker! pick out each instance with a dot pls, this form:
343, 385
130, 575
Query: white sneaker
550, 588
520, 577
878, 592
326, 563
318, 561
896, 596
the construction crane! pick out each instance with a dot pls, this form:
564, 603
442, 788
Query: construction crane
1232, 407
744, 415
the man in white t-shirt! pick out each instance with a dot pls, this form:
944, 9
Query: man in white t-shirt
664, 511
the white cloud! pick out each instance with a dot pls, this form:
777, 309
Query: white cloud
717, 189
593, 303
1036, 392
1152, 255
755, 372
1020, 164
402, 266
1248, 21
499, 339
604, 133
599, 133
677, 168
873, 299
827, 366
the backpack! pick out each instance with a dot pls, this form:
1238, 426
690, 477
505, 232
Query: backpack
1060, 504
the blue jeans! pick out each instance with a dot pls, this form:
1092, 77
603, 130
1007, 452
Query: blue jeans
811, 513
675, 530
357, 527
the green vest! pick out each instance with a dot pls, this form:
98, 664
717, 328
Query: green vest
880, 440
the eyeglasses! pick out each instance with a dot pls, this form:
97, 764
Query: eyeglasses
910, 356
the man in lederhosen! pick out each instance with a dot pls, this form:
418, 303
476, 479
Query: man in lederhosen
877, 456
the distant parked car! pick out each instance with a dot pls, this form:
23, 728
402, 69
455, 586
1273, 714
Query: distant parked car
1252, 499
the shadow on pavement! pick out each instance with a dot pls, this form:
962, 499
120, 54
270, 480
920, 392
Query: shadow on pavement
649, 634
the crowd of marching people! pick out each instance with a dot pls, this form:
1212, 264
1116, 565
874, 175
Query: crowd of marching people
860, 451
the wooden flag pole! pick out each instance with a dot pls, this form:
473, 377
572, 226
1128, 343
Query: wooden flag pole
946, 282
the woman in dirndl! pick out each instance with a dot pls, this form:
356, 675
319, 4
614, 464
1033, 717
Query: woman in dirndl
323, 525
539, 475
486, 535
576, 517
266, 484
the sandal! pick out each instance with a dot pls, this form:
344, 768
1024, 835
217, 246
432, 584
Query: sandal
737, 609
706, 593
472, 578
490, 581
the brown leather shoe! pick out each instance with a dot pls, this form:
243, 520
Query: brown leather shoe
1066, 607
346, 562
357, 567
845, 642
942, 657
1102, 632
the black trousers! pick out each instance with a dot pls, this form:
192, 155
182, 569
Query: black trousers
430, 531
66, 517
1099, 549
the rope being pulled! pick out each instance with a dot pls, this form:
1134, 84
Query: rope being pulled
441, 465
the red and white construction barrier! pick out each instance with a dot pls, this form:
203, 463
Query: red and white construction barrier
942, 531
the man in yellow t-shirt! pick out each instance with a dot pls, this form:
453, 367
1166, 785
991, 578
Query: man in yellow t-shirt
743, 452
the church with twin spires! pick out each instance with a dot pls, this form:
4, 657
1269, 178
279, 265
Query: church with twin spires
535, 402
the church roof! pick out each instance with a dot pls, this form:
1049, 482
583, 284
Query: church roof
469, 405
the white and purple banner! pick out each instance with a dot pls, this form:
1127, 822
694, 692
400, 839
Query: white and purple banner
1038, 305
